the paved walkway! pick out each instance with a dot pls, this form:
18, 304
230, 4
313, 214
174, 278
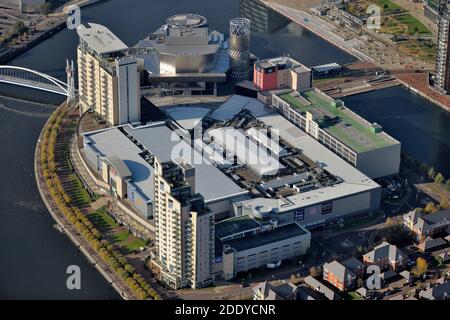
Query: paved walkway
70, 230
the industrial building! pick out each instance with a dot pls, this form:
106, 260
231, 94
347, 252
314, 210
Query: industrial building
184, 56
108, 78
217, 214
442, 76
341, 130
281, 73
312, 185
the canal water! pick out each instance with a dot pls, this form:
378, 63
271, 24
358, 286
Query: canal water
33, 255
421, 127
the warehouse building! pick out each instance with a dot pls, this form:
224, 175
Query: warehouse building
341, 130
314, 186
133, 147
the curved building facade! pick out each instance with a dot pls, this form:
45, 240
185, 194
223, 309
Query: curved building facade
239, 48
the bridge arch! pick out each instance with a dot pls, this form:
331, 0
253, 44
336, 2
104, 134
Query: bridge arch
9, 71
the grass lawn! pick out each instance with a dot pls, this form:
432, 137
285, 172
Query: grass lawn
102, 220
127, 242
414, 25
354, 296
79, 193
389, 7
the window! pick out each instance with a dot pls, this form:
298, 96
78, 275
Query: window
170, 204
161, 186
299, 215
327, 207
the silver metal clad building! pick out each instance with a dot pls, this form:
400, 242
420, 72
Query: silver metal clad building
239, 48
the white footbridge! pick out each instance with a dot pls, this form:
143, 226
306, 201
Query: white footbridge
28, 78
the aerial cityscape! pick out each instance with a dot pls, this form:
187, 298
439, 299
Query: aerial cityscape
225, 150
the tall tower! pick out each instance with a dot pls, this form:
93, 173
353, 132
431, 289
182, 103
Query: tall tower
184, 228
442, 78
239, 49
70, 71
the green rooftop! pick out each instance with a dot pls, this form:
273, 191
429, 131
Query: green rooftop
338, 121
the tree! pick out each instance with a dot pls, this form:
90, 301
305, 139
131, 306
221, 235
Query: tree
19, 27
45, 8
439, 178
315, 271
431, 173
360, 283
389, 221
430, 208
129, 268
444, 203
421, 267
447, 185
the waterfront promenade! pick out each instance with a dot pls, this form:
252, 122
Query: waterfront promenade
65, 226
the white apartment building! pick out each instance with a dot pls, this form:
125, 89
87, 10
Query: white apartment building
184, 228
108, 79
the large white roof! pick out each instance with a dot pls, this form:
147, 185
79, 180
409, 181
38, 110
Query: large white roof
100, 38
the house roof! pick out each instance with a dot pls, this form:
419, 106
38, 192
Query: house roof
353, 264
438, 292
430, 243
383, 251
322, 288
341, 272
275, 292
426, 222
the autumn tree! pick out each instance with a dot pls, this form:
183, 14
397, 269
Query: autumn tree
439, 178
431, 173
420, 268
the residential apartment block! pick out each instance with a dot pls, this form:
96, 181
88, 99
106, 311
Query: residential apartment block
341, 130
108, 78
184, 228
442, 78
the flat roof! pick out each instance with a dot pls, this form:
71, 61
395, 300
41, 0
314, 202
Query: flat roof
327, 67
156, 138
187, 116
161, 141
338, 121
113, 143
100, 38
354, 181
236, 104
263, 238
235, 225
287, 62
